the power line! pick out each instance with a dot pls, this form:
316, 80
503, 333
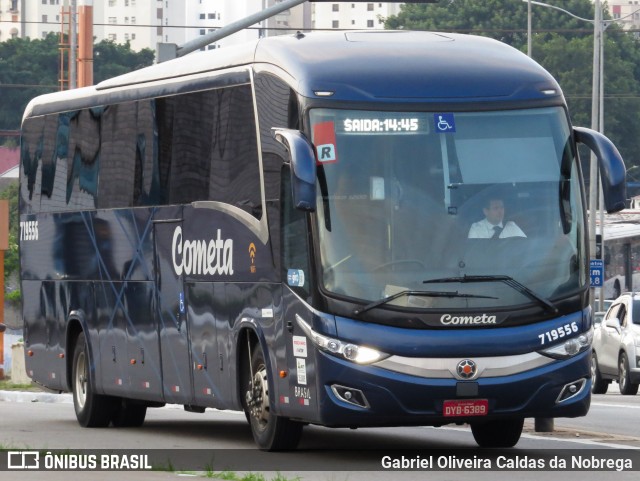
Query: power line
312, 29
11, 86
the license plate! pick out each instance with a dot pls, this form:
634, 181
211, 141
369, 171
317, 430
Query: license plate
465, 407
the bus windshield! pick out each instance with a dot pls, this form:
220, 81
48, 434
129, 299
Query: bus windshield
408, 201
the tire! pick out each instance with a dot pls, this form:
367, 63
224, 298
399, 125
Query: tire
624, 381
92, 410
129, 414
504, 433
598, 385
270, 432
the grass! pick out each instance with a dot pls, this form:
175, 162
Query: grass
231, 476
7, 385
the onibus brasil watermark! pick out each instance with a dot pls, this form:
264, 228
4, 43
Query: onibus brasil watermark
48, 461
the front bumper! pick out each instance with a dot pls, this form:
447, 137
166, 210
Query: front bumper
382, 397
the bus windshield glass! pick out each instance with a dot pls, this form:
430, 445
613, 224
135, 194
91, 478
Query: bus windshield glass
406, 199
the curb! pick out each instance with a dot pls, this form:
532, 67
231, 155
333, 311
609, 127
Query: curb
34, 397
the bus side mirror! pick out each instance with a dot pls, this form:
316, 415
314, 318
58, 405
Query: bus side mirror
303, 167
2, 327
611, 165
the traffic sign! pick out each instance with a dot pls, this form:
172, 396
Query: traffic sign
596, 272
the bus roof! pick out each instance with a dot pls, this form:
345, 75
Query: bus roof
380, 66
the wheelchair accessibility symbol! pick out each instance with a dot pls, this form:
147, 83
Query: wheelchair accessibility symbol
444, 123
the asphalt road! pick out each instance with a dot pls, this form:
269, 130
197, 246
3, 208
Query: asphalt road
35, 422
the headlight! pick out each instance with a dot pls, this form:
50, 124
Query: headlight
570, 347
349, 351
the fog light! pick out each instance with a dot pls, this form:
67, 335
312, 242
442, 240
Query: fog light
350, 395
570, 390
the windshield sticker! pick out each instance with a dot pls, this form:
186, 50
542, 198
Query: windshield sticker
377, 188
324, 138
295, 277
444, 123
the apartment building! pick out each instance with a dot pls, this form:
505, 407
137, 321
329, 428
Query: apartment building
145, 23
359, 16
627, 12
10, 19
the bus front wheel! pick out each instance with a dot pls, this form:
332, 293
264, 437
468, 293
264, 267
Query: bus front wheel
92, 410
270, 432
503, 433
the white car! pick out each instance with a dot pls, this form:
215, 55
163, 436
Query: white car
616, 347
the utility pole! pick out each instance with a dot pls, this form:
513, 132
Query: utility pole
85, 43
73, 46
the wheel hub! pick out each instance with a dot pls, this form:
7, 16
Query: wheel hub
257, 397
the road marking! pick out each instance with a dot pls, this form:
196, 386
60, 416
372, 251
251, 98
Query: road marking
591, 442
538, 437
615, 405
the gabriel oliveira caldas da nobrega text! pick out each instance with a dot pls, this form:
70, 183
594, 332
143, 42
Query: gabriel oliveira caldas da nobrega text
556, 462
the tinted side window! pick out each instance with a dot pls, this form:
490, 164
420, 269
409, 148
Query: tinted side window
31, 145
235, 170
83, 158
208, 148
171, 150
636, 311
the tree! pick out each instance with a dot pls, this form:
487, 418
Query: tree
113, 59
11, 257
561, 44
504, 20
29, 68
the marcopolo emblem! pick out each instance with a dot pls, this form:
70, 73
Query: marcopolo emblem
466, 369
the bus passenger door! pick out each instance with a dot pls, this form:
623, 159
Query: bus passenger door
172, 317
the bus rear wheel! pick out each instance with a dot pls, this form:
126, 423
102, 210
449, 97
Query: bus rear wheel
503, 433
129, 414
270, 432
92, 410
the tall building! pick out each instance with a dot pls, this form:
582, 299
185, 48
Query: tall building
627, 12
145, 23
359, 16
10, 20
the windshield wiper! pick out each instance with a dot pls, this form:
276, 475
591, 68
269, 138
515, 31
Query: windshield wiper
408, 292
510, 281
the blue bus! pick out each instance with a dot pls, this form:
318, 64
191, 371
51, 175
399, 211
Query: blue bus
282, 228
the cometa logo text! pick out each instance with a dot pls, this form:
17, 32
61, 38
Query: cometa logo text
449, 320
213, 257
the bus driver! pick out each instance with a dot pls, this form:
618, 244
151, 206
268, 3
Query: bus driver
493, 225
